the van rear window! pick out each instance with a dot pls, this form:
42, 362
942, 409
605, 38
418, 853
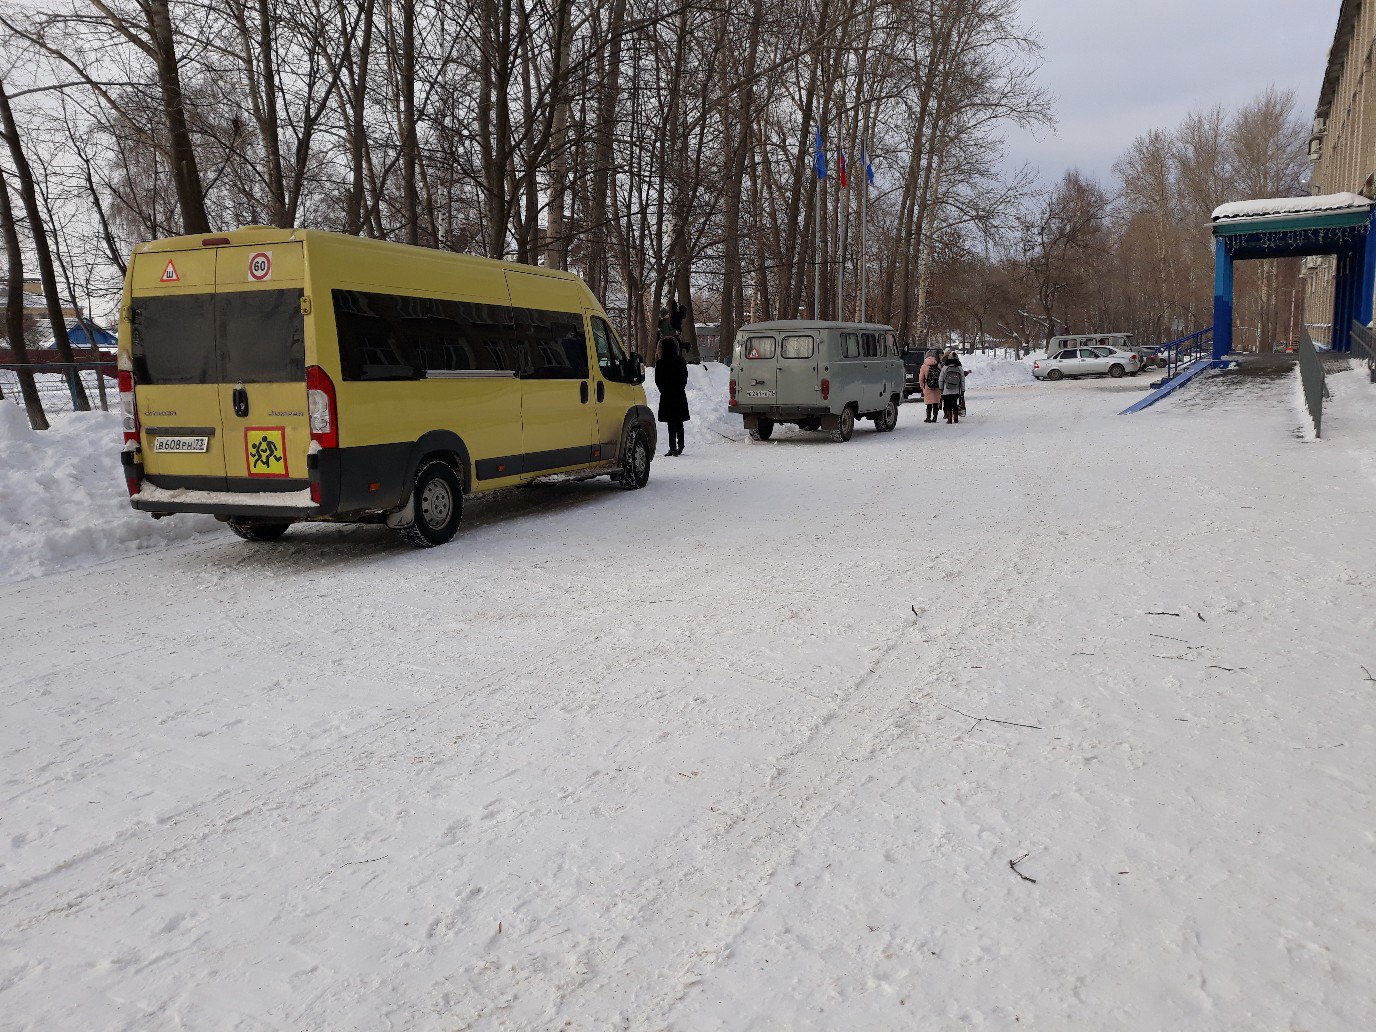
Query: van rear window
759, 348
799, 346
251, 336
174, 339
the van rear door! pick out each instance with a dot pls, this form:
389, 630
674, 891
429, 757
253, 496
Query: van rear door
176, 363
760, 370
260, 336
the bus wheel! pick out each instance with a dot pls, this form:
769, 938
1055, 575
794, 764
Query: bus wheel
887, 420
846, 427
764, 430
438, 501
635, 461
258, 531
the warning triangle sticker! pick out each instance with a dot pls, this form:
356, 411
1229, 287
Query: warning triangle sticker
169, 274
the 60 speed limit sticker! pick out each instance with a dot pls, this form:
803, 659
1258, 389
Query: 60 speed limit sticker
260, 266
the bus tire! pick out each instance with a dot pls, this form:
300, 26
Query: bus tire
259, 531
887, 420
438, 502
635, 461
845, 427
764, 430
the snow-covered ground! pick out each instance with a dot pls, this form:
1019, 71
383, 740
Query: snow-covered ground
750, 749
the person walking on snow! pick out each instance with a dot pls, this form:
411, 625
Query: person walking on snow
671, 377
930, 378
952, 384
953, 353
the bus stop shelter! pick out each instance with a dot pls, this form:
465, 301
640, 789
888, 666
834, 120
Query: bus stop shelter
1296, 227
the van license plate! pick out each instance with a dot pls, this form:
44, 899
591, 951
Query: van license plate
759, 394
181, 444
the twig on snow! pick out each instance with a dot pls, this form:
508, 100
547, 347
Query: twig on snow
372, 861
1013, 864
990, 720
915, 612
1163, 614
1169, 638
1230, 669
1368, 675
1201, 616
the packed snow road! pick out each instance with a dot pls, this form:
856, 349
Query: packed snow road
750, 749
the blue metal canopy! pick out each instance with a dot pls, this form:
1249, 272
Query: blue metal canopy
1292, 227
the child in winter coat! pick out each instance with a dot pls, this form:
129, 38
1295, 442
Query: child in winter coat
952, 382
930, 378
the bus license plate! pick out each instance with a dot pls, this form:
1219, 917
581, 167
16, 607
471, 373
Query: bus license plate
181, 444
759, 394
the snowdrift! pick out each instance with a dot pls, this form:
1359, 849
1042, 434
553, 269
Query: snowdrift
63, 502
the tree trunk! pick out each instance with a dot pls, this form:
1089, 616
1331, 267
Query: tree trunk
186, 174
14, 308
42, 252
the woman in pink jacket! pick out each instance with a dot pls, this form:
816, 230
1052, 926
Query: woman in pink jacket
929, 377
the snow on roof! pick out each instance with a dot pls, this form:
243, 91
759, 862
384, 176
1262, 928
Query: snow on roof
1273, 206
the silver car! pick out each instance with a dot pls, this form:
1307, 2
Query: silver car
1099, 361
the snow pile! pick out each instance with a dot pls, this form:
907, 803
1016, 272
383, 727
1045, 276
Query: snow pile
991, 369
709, 389
1275, 206
63, 502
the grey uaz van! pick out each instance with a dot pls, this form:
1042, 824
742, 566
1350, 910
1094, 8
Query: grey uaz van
817, 375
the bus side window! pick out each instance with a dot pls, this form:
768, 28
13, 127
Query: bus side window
869, 345
850, 345
551, 345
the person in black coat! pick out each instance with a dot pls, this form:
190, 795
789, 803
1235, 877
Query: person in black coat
671, 377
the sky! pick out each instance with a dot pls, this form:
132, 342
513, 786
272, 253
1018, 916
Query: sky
1119, 68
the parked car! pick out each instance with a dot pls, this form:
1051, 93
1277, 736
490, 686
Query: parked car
1100, 361
816, 375
912, 371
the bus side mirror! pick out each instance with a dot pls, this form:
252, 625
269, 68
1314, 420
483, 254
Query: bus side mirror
637, 368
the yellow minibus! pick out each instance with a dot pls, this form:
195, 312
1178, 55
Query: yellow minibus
271, 376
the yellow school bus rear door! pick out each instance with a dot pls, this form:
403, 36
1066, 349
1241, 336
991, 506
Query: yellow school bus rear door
261, 330
171, 344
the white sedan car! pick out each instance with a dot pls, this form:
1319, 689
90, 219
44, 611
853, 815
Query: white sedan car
1100, 361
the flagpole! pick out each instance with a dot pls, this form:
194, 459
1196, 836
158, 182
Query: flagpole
817, 258
842, 217
864, 220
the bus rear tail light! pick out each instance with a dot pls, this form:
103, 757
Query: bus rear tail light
128, 407
733, 392
320, 404
826, 389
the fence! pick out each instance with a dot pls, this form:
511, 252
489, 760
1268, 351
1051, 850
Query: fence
1313, 378
52, 381
1364, 348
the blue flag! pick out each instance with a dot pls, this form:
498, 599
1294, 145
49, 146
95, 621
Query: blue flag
869, 169
821, 160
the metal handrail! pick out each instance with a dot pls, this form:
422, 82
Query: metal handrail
1364, 347
1313, 378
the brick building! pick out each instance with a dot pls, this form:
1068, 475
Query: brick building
1343, 144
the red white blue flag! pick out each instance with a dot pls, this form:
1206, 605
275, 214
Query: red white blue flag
841, 166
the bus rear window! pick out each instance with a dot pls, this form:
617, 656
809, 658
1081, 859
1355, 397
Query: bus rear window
796, 346
262, 336
174, 339
251, 336
759, 348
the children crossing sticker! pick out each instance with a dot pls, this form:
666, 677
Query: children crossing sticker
169, 274
265, 448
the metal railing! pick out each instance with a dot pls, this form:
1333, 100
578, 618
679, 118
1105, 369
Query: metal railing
53, 382
1364, 348
1314, 380
1181, 354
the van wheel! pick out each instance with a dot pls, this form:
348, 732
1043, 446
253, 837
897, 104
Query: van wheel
764, 430
843, 432
438, 502
887, 420
258, 531
635, 461
1116, 371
